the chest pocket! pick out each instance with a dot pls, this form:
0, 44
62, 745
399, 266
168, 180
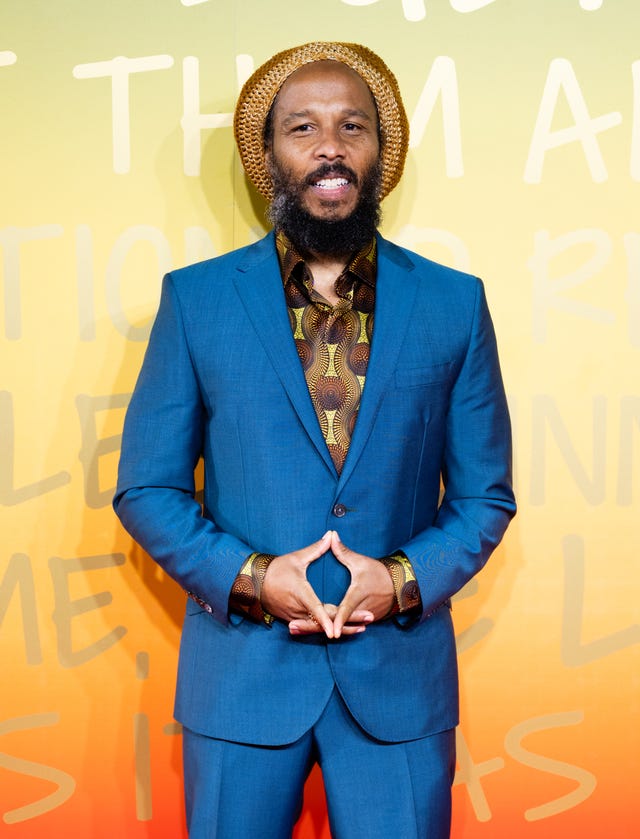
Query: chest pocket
432, 375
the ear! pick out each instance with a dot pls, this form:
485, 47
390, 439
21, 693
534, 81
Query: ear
268, 158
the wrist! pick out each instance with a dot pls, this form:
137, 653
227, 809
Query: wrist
405, 586
246, 592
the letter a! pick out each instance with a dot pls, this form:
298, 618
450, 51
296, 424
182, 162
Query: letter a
584, 130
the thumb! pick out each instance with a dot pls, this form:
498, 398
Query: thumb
315, 550
340, 550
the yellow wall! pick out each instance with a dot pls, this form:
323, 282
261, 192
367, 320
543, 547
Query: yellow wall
524, 169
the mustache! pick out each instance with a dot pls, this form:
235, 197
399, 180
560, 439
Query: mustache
335, 170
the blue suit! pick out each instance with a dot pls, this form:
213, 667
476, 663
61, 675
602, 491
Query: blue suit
222, 380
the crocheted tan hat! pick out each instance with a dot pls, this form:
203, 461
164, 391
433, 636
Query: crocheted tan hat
258, 93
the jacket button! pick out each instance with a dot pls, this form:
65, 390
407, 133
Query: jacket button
339, 510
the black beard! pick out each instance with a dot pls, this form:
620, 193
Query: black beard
330, 237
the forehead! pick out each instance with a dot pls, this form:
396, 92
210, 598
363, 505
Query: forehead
325, 82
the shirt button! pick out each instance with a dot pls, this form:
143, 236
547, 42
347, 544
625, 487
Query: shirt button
339, 510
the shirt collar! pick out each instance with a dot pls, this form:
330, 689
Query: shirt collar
362, 266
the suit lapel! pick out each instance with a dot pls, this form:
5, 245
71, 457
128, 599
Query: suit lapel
395, 292
259, 285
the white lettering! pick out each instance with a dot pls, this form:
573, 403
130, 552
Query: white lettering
442, 82
119, 253
198, 245
575, 653
411, 236
84, 272
635, 123
629, 417
545, 414
470, 774
119, 69
465, 6
10, 240
193, 122
584, 130
546, 291
632, 248
64, 783
586, 781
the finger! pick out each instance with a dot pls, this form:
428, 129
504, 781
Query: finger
317, 619
352, 629
340, 550
309, 627
304, 626
357, 622
357, 616
317, 614
314, 551
346, 610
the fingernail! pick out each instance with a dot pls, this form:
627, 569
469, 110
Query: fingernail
328, 533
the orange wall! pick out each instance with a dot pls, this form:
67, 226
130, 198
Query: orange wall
525, 169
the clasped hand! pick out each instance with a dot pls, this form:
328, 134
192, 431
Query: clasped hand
287, 594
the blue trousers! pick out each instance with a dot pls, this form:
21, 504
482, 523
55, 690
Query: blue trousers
373, 789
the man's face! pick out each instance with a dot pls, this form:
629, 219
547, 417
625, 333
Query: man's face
324, 138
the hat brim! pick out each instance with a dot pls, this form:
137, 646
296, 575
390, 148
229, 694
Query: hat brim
260, 90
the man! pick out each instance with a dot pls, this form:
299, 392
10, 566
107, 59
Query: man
331, 382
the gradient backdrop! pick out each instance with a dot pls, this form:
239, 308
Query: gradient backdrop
117, 164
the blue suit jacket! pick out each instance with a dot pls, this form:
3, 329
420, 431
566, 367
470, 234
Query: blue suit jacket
222, 380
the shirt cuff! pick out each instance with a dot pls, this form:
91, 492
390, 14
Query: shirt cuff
405, 585
247, 588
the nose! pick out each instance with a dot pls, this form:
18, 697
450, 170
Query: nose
330, 145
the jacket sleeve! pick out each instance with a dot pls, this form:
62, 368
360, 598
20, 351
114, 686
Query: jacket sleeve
161, 444
478, 500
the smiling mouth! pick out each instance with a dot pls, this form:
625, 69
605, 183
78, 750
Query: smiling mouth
332, 178
331, 183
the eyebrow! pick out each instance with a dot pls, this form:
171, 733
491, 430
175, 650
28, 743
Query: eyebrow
347, 112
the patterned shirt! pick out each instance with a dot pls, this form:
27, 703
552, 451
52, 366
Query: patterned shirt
333, 342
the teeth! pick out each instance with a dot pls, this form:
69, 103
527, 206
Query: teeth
332, 183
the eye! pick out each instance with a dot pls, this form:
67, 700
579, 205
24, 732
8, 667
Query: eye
353, 128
